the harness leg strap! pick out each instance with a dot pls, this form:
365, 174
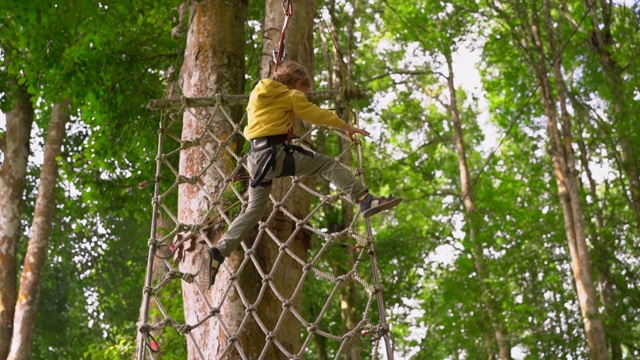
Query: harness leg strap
268, 163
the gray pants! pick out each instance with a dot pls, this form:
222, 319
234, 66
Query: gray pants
320, 164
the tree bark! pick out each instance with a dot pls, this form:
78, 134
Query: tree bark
603, 245
470, 216
15, 149
568, 184
35, 259
602, 44
340, 77
213, 64
286, 277
298, 36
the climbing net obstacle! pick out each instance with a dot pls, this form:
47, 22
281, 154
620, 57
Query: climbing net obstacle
304, 282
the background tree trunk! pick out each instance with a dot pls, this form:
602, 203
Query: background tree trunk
603, 246
568, 184
466, 190
213, 64
34, 263
340, 77
15, 149
299, 47
626, 134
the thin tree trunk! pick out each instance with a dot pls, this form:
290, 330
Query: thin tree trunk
348, 292
15, 149
602, 44
35, 259
467, 198
603, 246
568, 187
213, 64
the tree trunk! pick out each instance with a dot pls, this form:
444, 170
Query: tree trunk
470, 214
603, 247
625, 123
213, 64
568, 186
348, 292
286, 277
298, 36
35, 259
15, 149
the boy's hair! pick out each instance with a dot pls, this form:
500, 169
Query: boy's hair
290, 73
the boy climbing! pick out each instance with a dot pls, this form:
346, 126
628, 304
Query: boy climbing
272, 105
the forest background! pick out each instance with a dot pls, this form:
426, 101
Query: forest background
524, 246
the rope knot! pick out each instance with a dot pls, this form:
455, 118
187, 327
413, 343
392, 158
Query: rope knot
270, 336
188, 278
184, 329
312, 327
215, 311
287, 304
184, 103
144, 328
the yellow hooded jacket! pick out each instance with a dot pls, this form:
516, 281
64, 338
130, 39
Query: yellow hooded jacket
273, 105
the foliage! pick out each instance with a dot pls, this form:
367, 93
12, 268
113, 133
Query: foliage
112, 57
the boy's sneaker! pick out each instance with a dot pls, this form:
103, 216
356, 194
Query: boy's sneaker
372, 205
209, 266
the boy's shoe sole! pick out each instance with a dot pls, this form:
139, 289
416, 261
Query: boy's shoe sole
381, 207
209, 266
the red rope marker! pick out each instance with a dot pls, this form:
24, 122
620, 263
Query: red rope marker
152, 344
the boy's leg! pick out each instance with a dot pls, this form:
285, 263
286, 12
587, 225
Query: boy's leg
213, 257
333, 171
240, 226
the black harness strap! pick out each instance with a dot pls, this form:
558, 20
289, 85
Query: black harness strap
289, 164
269, 162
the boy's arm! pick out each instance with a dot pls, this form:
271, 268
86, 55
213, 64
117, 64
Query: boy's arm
310, 112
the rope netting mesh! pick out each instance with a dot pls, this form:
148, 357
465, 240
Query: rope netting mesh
338, 257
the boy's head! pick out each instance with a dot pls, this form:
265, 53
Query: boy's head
293, 75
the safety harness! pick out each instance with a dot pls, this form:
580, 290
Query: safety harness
269, 162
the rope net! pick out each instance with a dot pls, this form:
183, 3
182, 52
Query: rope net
334, 303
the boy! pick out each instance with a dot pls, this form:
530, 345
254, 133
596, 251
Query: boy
272, 105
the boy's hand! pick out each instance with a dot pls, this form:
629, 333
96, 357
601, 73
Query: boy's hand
351, 130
